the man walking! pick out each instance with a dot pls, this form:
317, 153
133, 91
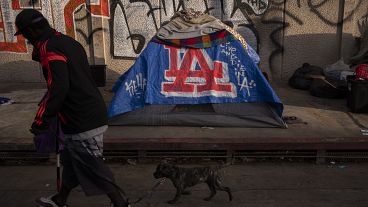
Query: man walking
73, 97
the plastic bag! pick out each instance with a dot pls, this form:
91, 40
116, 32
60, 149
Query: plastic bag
46, 142
336, 72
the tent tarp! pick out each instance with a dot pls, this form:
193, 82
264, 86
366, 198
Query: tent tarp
216, 115
170, 75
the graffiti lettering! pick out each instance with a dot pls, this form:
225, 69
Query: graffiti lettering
100, 9
314, 8
240, 70
136, 87
126, 42
258, 7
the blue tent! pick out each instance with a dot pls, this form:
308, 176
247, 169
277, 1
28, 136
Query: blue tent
196, 71
216, 86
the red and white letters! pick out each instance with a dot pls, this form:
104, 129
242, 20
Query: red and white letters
185, 79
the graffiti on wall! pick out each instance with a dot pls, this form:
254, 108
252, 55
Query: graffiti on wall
129, 34
128, 37
318, 8
8, 42
131, 23
59, 13
97, 8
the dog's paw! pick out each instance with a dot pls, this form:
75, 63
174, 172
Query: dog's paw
186, 192
172, 202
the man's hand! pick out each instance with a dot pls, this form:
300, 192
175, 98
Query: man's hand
39, 129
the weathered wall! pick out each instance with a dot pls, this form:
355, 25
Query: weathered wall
286, 33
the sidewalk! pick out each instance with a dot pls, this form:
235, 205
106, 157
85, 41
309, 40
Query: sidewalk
327, 124
252, 184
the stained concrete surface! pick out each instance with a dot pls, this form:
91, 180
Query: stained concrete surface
321, 118
253, 185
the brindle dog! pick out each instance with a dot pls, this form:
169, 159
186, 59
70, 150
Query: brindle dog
187, 177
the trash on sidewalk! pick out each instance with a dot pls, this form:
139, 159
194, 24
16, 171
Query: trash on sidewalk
357, 99
337, 73
301, 77
293, 120
338, 166
132, 162
323, 88
5, 101
207, 127
364, 132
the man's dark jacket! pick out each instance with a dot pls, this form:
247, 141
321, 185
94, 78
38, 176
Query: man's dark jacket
72, 93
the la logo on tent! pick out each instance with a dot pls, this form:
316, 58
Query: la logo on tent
185, 80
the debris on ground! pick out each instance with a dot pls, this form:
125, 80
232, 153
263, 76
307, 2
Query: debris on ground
293, 120
364, 132
132, 162
5, 101
207, 127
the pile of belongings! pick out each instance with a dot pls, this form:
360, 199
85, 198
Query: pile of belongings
357, 99
358, 85
330, 82
196, 71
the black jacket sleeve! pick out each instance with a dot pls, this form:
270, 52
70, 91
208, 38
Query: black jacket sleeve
57, 78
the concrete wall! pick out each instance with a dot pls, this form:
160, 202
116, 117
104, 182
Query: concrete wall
286, 32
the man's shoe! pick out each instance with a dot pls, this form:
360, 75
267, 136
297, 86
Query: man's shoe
47, 202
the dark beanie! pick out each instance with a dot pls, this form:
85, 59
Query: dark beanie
28, 18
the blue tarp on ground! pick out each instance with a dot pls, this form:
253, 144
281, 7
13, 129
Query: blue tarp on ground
169, 75
5, 101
